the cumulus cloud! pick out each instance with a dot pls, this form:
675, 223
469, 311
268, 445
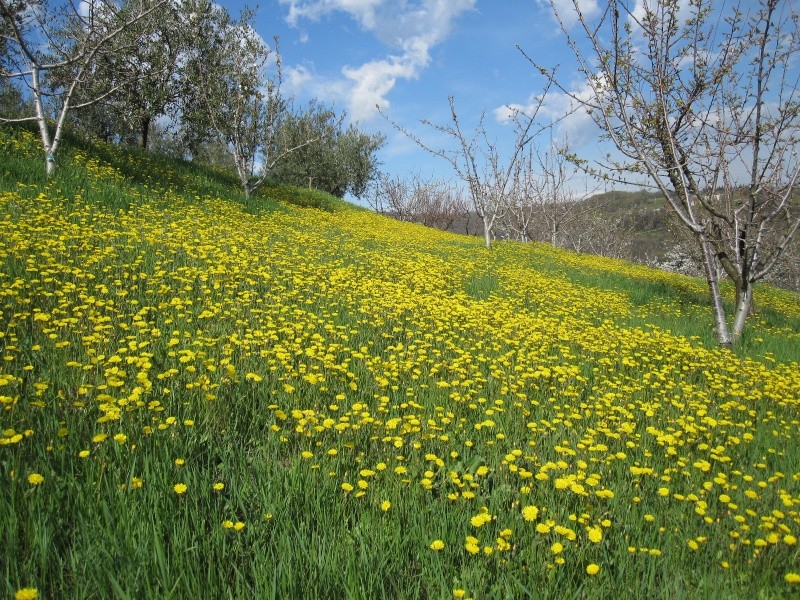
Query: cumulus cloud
565, 9
573, 122
641, 8
409, 29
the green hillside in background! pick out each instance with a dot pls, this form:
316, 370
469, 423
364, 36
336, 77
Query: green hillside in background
288, 396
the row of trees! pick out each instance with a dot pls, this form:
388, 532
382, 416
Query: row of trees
183, 71
538, 207
699, 101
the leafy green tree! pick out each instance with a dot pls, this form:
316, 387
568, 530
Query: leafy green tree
146, 77
340, 161
53, 50
236, 87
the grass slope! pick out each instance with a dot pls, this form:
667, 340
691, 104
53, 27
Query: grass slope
207, 397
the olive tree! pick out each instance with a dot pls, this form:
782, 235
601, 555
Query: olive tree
51, 50
239, 81
341, 160
701, 99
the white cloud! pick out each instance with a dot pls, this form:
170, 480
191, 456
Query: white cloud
573, 122
412, 29
565, 9
641, 8
362, 10
372, 82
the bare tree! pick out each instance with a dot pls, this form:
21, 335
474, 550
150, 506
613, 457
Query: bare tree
701, 98
487, 174
546, 198
67, 38
433, 203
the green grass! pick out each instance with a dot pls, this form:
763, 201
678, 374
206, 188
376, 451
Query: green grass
361, 388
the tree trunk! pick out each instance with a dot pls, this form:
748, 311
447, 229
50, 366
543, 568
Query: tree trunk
721, 329
487, 233
744, 304
50, 164
145, 131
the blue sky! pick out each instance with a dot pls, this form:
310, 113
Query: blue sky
410, 55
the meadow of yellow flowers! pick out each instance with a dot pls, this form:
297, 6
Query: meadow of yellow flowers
200, 400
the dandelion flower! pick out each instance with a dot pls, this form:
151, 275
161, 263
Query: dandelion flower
792, 577
437, 545
595, 534
35, 479
180, 488
347, 487
26, 594
529, 513
386, 505
593, 569
218, 487
542, 528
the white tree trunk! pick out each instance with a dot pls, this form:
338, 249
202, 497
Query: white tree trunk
487, 232
721, 329
744, 303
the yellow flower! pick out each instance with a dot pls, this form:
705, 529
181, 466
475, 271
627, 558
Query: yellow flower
218, 487
100, 437
35, 479
180, 462
557, 548
386, 505
792, 577
26, 594
595, 534
347, 487
238, 526
437, 545
83, 454
459, 593
593, 569
542, 528
227, 524
180, 488
529, 513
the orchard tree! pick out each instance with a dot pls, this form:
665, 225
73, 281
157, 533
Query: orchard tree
487, 173
239, 88
701, 99
147, 77
433, 203
545, 198
339, 161
51, 51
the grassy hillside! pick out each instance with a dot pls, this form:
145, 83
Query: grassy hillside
210, 398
